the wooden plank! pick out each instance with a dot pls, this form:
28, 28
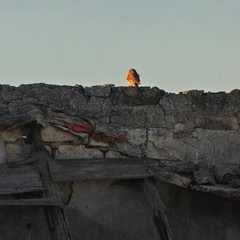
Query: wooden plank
31, 202
19, 179
113, 168
219, 190
156, 211
55, 216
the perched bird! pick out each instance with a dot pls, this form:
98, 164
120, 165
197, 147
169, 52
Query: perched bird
133, 78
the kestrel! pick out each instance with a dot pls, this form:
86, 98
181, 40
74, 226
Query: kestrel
133, 78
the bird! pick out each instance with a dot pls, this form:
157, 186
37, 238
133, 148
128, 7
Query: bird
133, 78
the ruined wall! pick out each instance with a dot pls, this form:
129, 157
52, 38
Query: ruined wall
117, 122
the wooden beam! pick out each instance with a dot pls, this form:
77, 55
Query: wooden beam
31, 202
156, 210
19, 179
219, 190
111, 168
55, 216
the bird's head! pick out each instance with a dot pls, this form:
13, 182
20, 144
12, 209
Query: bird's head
132, 70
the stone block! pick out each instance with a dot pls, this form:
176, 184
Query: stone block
137, 136
84, 137
216, 122
81, 126
127, 149
18, 152
218, 147
176, 104
110, 129
113, 154
94, 143
98, 107
161, 144
79, 151
136, 96
139, 116
12, 136
52, 134
183, 130
136, 144
155, 152
99, 90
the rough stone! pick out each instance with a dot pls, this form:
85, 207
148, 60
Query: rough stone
80, 151
136, 96
98, 107
161, 142
136, 144
112, 154
99, 90
176, 104
110, 129
52, 134
53, 95
183, 130
94, 143
216, 122
83, 136
218, 147
12, 136
155, 152
139, 116
18, 152
137, 136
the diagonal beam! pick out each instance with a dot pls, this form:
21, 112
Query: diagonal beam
55, 216
156, 210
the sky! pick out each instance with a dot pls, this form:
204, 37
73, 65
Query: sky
175, 45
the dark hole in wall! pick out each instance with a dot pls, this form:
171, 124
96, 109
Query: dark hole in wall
31, 133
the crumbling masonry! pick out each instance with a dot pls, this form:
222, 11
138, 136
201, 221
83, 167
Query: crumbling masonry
198, 129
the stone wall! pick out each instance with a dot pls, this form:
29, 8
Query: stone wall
118, 122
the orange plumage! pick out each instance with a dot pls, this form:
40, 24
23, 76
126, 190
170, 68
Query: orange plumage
133, 78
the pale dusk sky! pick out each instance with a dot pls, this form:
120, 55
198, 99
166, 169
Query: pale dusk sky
173, 44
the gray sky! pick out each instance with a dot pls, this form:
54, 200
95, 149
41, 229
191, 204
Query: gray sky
173, 44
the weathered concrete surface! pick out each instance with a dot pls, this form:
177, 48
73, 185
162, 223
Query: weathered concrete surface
118, 122
108, 210
198, 216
